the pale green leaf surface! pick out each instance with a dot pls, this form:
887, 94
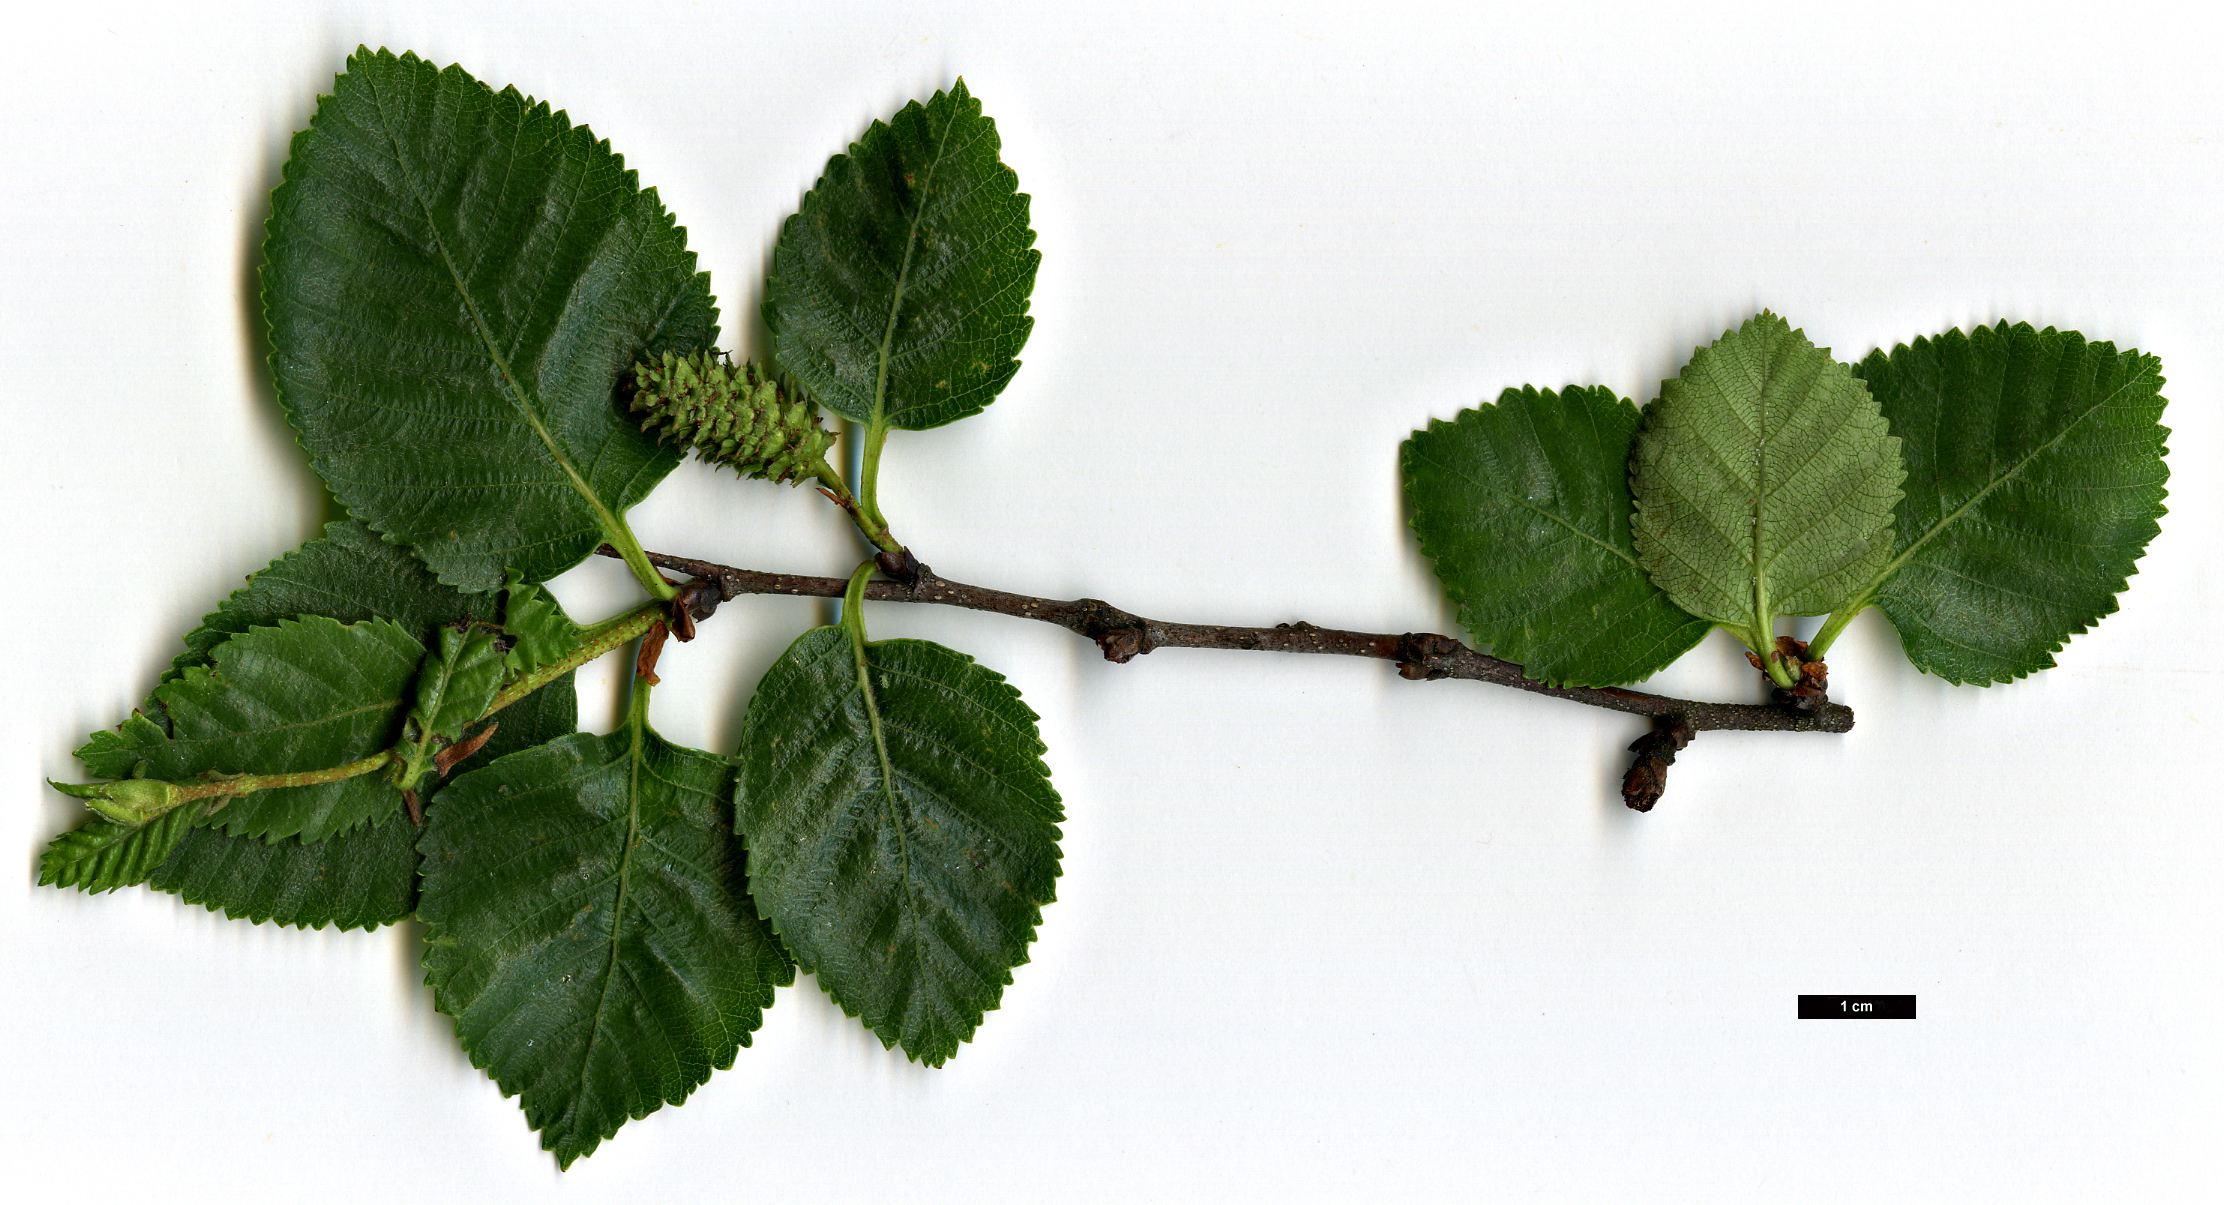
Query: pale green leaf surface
306, 694
2035, 480
588, 932
1524, 508
456, 687
538, 630
1765, 479
909, 875
459, 680
102, 855
900, 288
456, 278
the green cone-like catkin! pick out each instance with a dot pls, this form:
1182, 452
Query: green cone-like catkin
730, 414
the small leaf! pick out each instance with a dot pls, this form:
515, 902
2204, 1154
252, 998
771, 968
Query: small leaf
456, 279
1764, 479
899, 291
539, 631
1524, 508
453, 690
587, 929
307, 694
102, 855
2035, 479
902, 835
459, 680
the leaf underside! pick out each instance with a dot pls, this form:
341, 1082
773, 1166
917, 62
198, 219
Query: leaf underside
1524, 508
911, 881
362, 877
588, 932
900, 287
456, 278
1765, 479
2035, 480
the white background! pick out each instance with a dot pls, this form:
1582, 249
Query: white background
1322, 933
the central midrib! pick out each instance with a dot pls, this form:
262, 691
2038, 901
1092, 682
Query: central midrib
903, 279
525, 403
625, 876
1876, 583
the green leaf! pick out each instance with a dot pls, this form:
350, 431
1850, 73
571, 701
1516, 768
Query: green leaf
453, 690
307, 694
364, 876
2035, 477
899, 291
903, 836
348, 574
587, 929
539, 631
359, 879
1764, 479
102, 855
456, 278
1524, 508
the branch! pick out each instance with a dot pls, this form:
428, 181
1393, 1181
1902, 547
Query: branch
1419, 656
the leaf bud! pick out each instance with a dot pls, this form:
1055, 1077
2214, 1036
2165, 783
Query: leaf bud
129, 801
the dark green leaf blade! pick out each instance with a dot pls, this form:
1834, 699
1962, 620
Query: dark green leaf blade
359, 879
899, 289
2036, 478
351, 575
306, 694
587, 929
456, 278
348, 574
1765, 479
362, 877
1524, 508
909, 878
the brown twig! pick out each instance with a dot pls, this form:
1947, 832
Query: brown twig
1419, 655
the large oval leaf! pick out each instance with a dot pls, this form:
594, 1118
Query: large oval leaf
1524, 506
899, 290
587, 931
902, 830
2035, 478
456, 279
1764, 478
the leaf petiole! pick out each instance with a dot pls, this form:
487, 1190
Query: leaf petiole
601, 639
1836, 624
867, 508
621, 538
